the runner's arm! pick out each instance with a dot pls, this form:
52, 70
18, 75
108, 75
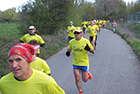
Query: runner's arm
89, 31
91, 51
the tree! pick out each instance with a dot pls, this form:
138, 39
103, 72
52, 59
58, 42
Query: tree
9, 15
90, 12
122, 8
47, 15
107, 8
133, 7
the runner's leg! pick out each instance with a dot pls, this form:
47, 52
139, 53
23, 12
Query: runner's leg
85, 76
78, 79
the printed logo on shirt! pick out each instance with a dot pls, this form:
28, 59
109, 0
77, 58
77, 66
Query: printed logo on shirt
77, 50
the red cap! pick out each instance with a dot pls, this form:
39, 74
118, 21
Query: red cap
25, 50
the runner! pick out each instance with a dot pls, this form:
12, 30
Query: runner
33, 35
114, 25
70, 30
80, 47
84, 25
103, 23
38, 63
92, 33
24, 79
100, 25
95, 34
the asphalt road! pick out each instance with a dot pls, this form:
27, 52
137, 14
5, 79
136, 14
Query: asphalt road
114, 66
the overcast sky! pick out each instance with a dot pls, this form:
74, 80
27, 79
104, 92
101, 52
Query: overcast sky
6, 4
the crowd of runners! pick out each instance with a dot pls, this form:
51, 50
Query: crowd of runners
31, 74
81, 44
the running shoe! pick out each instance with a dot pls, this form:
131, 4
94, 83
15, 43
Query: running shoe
90, 75
81, 92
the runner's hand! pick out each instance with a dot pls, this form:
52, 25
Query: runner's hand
67, 53
87, 48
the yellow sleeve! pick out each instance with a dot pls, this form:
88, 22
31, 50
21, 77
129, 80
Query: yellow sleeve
90, 45
97, 28
23, 38
41, 40
74, 28
53, 88
46, 68
88, 29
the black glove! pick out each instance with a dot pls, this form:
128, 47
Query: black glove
87, 48
68, 53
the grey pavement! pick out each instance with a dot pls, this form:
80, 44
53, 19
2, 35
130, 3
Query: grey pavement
114, 66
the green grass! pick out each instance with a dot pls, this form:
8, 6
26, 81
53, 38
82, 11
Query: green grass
10, 35
8, 29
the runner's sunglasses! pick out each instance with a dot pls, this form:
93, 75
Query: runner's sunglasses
77, 32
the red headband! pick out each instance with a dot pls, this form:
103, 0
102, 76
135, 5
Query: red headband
25, 50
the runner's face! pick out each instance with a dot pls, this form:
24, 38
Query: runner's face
70, 24
92, 23
19, 66
31, 31
78, 35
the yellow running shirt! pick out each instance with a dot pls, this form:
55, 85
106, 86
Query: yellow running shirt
100, 23
27, 38
40, 65
71, 34
104, 22
80, 56
93, 28
96, 29
84, 24
38, 83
